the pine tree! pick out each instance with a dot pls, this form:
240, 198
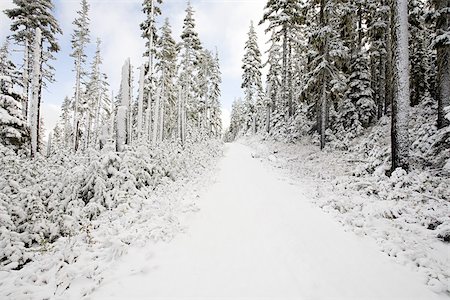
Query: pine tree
26, 16
96, 97
273, 80
360, 95
360, 90
418, 51
167, 67
283, 16
65, 123
237, 120
151, 10
378, 25
215, 112
251, 77
13, 129
80, 38
7, 67
189, 69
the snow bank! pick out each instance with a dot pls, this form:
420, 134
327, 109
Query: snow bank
407, 214
65, 219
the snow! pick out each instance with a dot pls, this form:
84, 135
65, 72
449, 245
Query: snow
259, 235
406, 214
94, 206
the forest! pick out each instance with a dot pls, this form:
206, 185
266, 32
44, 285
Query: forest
348, 101
335, 69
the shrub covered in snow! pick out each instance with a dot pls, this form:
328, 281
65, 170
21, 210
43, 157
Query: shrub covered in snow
44, 199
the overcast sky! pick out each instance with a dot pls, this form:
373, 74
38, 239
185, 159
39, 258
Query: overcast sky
220, 23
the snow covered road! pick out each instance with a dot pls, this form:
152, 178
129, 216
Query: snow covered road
258, 237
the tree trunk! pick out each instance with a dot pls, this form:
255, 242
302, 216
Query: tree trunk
382, 87
121, 125
156, 117
401, 99
35, 96
389, 64
290, 86
284, 79
140, 102
77, 98
443, 61
97, 117
26, 79
323, 99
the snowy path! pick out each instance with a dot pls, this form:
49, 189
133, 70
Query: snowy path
256, 237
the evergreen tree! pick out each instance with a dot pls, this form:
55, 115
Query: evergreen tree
273, 80
378, 17
80, 38
283, 16
13, 130
237, 120
359, 96
215, 112
167, 67
251, 77
151, 9
418, 51
25, 17
7, 67
96, 98
189, 68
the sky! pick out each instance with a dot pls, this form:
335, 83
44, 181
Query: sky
220, 23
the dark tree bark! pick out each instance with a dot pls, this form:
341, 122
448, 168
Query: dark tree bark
443, 60
400, 101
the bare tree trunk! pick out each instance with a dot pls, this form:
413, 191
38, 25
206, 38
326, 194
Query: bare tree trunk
97, 118
290, 87
401, 100
156, 117
35, 96
140, 102
77, 99
443, 61
179, 113
161, 113
323, 99
382, 87
284, 78
389, 66
26, 79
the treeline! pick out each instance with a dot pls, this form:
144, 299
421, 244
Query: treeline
336, 67
178, 88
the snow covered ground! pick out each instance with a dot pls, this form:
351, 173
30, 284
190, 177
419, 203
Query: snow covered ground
72, 266
258, 235
407, 215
